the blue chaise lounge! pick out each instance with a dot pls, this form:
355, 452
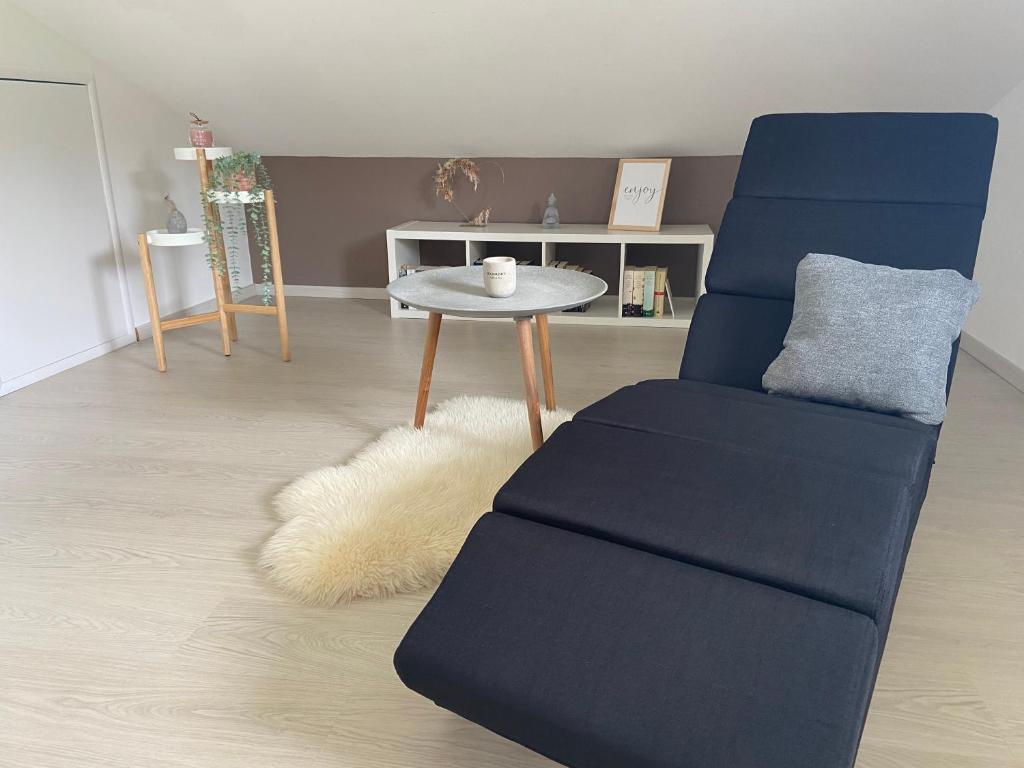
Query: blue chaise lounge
693, 573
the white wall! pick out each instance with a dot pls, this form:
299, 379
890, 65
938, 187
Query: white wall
997, 321
61, 296
140, 132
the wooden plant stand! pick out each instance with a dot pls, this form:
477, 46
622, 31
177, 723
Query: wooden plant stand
226, 309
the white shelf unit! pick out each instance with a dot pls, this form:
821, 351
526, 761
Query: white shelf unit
404, 248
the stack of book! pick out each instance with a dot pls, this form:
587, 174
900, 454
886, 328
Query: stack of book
521, 262
410, 269
574, 268
645, 292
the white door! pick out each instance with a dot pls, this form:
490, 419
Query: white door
60, 291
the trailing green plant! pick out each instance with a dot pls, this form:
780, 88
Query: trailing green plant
235, 173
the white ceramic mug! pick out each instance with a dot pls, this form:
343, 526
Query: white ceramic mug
500, 276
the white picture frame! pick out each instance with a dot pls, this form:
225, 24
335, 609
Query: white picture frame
639, 197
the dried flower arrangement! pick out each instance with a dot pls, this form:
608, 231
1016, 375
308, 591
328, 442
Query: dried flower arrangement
444, 180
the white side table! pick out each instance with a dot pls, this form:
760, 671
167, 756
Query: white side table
163, 238
459, 291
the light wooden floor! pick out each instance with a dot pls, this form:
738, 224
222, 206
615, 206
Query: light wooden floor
135, 630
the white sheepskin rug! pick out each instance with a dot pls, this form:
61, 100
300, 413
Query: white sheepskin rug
393, 518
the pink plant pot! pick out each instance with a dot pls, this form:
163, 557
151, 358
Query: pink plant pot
200, 137
239, 182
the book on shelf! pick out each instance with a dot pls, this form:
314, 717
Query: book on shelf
637, 304
650, 273
627, 291
660, 278
519, 262
411, 269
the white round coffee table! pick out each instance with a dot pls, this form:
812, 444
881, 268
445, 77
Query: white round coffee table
459, 291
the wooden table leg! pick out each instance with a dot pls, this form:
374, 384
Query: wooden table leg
530, 380
429, 351
154, 309
545, 362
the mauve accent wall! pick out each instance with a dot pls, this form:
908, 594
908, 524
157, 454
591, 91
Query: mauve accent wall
332, 211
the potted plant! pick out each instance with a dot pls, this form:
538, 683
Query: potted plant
237, 172
241, 172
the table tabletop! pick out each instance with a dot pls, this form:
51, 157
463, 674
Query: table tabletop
460, 291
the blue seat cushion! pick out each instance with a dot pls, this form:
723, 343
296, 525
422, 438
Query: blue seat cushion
757, 421
934, 159
739, 337
604, 656
763, 239
815, 499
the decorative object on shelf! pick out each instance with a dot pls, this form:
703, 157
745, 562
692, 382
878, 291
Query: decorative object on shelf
199, 132
381, 523
240, 172
639, 196
444, 181
499, 276
551, 218
176, 223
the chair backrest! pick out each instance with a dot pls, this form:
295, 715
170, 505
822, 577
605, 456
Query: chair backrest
904, 189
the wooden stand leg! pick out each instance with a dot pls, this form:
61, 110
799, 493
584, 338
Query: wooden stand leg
427, 370
225, 332
154, 309
530, 380
225, 279
275, 263
218, 249
545, 362
232, 323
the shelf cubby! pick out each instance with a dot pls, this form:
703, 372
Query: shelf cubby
683, 262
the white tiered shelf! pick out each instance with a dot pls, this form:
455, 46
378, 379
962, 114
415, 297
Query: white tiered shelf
189, 153
223, 197
404, 248
165, 239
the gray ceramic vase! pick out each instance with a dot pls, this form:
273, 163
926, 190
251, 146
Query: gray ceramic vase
176, 223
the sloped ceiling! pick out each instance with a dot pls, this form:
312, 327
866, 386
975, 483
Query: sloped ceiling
541, 77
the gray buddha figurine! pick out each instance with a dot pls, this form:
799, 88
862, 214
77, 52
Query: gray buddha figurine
551, 219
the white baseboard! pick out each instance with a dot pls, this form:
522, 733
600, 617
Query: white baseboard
145, 330
992, 360
71, 361
334, 292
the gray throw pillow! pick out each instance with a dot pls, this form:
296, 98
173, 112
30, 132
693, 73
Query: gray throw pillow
872, 336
